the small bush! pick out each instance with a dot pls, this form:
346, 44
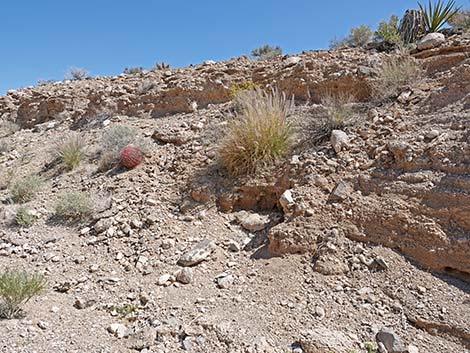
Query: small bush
436, 15
266, 52
260, 133
71, 151
76, 73
25, 189
338, 113
133, 70
114, 140
25, 217
394, 74
388, 31
16, 289
73, 205
9, 128
461, 20
358, 37
162, 66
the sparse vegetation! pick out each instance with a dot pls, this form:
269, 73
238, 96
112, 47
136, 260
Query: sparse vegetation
16, 289
266, 52
260, 133
114, 140
71, 151
461, 20
73, 205
388, 31
358, 37
436, 15
25, 217
133, 70
25, 189
76, 73
396, 73
8, 128
370, 347
338, 113
162, 66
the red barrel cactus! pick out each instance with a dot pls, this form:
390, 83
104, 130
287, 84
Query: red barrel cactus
131, 156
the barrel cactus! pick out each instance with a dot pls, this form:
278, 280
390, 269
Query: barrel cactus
131, 156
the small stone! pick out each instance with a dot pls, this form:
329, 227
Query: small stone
390, 340
197, 254
43, 325
185, 275
119, 330
320, 312
224, 281
252, 222
163, 279
286, 201
431, 135
339, 140
340, 192
292, 60
413, 349
233, 246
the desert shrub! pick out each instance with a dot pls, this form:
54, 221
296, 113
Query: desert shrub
16, 289
114, 140
239, 87
76, 73
73, 205
259, 134
338, 112
146, 86
25, 217
461, 20
4, 147
358, 37
133, 70
25, 189
266, 52
8, 128
388, 31
71, 151
436, 15
162, 66
394, 74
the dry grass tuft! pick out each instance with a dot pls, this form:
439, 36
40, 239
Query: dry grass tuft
16, 289
259, 134
395, 74
338, 111
71, 151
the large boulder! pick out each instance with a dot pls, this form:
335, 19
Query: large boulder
431, 40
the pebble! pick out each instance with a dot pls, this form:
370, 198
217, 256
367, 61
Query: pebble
185, 275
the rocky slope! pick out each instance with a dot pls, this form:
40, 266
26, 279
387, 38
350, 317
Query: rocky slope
315, 255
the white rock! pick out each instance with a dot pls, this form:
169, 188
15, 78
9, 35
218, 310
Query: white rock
431, 40
163, 279
339, 140
292, 60
286, 200
119, 330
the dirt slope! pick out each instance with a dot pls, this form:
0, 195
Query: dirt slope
377, 235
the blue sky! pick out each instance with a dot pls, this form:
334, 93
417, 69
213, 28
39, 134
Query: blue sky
42, 38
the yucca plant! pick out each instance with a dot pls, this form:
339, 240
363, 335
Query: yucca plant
436, 15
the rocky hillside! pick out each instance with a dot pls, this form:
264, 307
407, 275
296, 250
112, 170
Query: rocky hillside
357, 241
